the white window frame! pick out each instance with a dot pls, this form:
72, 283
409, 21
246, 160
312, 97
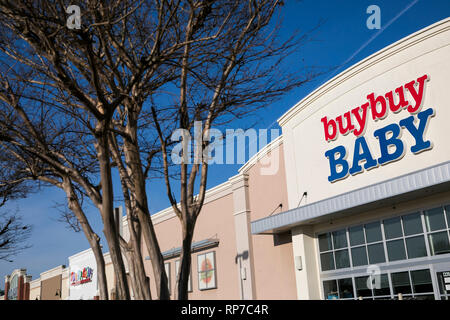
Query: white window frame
167, 268
214, 270
393, 266
177, 270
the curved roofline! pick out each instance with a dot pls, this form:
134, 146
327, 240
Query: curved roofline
374, 58
219, 190
260, 154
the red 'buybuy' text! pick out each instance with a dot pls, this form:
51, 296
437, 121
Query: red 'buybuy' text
379, 109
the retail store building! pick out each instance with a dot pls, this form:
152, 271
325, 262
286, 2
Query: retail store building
359, 206
17, 285
351, 202
370, 149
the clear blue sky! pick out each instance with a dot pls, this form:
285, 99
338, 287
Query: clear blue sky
343, 35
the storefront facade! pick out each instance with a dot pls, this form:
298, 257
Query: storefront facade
17, 285
227, 261
77, 281
368, 190
50, 287
83, 283
351, 202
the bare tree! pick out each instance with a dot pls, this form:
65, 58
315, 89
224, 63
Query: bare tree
13, 232
40, 146
226, 77
60, 89
13, 235
73, 100
76, 104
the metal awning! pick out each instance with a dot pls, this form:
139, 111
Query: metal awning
196, 246
403, 188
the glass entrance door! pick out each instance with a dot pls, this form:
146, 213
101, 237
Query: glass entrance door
443, 278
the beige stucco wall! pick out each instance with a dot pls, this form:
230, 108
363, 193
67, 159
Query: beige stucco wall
252, 194
274, 270
51, 283
35, 289
65, 284
109, 270
215, 221
51, 288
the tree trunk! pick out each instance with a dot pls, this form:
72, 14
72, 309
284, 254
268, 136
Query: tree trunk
151, 242
107, 209
156, 257
91, 236
185, 261
141, 277
101, 272
132, 274
140, 286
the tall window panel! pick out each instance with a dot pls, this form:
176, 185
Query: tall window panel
437, 225
404, 237
177, 270
167, 267
206, 266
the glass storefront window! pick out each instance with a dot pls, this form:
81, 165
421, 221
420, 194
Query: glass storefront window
373, 232
339, 239
342, 259
361, 287
330, 290
13, 289
376, 253
396, 250
421, 281
327, 261
434, 219
359, 256
411, 236
416, 247
356, 235
412, 224
415, 284
382, 288
439, 243
345, 288
392, 228
401, 283
325, 242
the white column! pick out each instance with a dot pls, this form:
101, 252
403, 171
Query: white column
244, 252
307, 273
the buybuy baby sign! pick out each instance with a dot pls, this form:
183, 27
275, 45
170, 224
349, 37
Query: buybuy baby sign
391, 147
